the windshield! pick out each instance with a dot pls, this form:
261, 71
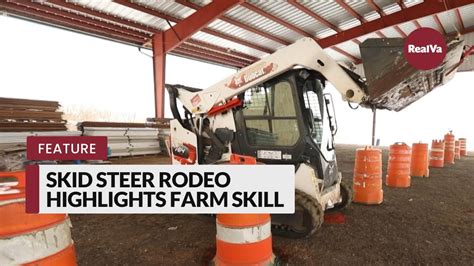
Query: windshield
270, 115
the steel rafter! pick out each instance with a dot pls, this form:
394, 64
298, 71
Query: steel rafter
440, 25
161, 15
238, 24
424, 9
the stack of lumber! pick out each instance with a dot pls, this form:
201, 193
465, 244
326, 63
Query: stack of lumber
19, 115
125, 139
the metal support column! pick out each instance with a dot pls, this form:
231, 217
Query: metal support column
159, 63
374, 112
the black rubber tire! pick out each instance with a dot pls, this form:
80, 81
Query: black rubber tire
313, 208
346, 195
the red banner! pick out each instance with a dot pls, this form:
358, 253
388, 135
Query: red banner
66, 148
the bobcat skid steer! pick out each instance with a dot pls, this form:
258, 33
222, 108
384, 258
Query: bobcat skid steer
277, 111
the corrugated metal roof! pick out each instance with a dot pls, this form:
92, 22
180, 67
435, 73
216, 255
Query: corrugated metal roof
225, 43
290, 14
107, 6
248, 40
247, 16
467, 14
243, 34
329, 10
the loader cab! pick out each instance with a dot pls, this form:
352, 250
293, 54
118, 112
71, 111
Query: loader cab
289, 120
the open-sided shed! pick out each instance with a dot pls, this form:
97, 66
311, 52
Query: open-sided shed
237, 33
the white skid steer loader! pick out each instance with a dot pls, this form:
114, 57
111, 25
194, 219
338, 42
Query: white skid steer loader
276, 110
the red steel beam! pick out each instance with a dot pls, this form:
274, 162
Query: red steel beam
161, 15
440, 25
238, 24
400, 31
381, 14
424, 9
83, 19
192, 54
198, 49
53, 19
351, 11
417, 24
380, 34
195, 22
110, 17
222, 50
159, 70
212, 56
166, 41
459, 17
350, 56
401, 4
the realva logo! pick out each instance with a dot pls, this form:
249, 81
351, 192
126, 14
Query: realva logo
425, 49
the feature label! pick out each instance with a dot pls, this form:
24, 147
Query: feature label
66, 148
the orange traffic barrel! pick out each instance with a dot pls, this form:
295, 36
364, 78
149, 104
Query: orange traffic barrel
398, 170
367, 180
419, 160
31, 239
243, 239
449, 148
462, 146
437, 153
457, 149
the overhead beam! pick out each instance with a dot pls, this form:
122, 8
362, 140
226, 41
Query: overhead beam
381, 14
459, 18
424, 9
400, 31
184, 29
417, 24
149, 30
219, 49
161, 15
351, 11
440, 25
166, 41
238, 24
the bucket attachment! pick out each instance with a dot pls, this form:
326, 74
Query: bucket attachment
392, 83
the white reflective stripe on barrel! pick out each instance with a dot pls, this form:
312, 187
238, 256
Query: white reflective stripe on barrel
244, 235
35, 245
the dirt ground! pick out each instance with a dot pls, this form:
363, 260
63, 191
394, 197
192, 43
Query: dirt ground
432, 222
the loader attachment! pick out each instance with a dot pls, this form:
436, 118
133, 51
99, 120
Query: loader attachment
392, 83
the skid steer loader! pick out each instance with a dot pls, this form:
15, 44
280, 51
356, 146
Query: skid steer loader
277, 111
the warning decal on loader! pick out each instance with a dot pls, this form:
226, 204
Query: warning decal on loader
272, 155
